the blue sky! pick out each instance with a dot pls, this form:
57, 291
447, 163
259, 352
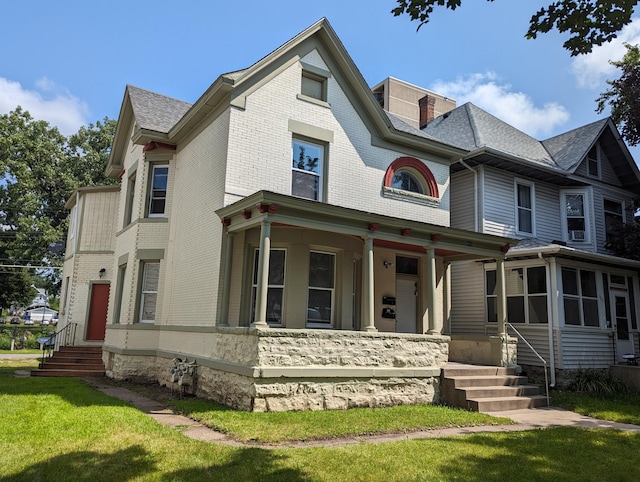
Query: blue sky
68, 61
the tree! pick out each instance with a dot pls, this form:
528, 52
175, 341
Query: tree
624, 96
590, 22
40, 168
625, 241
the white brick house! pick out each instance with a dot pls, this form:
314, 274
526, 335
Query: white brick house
289, 236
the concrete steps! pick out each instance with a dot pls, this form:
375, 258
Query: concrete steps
488, 389
73, 361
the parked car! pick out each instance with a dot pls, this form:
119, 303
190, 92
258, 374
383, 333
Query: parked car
15, 320
28, 321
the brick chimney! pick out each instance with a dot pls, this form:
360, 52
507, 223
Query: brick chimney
427, 109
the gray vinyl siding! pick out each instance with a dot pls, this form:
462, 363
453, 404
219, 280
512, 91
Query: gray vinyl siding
499, 203
462, 201
467, 298
538, 337
500, 206
607, 173
586, 348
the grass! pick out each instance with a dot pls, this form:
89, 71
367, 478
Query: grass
276, 427
55, 429
616, 408
24, 351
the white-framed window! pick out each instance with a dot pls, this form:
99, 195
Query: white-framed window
613, 218
73, 221
580, 297
526, 295
119, 300
275, 286
525, 207
405, 180
158, 190
149, 291
575, 209
321, 291
593, 161
308, 167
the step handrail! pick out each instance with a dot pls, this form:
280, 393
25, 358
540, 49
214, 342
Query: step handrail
546, 379
63, 337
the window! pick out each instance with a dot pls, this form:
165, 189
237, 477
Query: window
526, 295
314, 86
308, 160
524, 204
149, 291
593, 161
158, 191
321, 289
580, 297
131, 192
576, 216
409, 179
119, 300
275, 286
73, 219
612, 219
406, 181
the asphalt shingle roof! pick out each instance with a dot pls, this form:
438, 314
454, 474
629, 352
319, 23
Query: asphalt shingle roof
569, 149
156, 112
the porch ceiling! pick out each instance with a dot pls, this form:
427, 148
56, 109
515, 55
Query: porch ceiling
451, 243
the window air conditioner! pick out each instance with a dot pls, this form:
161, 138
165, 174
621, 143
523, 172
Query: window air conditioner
576, 235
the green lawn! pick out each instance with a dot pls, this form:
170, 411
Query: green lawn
61, 429
616, 408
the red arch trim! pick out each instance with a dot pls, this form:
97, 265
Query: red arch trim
417, 166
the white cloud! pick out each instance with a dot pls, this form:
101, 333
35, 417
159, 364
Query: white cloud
515, 108
48, 102
591, 70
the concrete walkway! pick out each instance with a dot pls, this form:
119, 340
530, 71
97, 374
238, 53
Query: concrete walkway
525, 420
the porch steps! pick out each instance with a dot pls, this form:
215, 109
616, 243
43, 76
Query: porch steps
73, 361
488, 389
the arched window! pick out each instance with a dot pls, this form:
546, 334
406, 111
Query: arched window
411, 175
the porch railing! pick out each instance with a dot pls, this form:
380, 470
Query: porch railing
63, 337
546, 378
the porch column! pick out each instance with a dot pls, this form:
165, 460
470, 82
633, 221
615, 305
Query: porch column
435, 328
501, 291
223, 320
446, 297
369, 320
260, 315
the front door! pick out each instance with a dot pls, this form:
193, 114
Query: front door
406, 305
98, 312
624, 338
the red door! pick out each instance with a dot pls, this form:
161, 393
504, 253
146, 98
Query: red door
98, 311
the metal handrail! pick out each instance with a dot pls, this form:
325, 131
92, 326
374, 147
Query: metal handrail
546, 379
63, 337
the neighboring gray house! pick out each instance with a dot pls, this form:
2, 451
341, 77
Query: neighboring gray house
566, 294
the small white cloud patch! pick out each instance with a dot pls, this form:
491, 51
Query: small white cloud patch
48, 102
515, 108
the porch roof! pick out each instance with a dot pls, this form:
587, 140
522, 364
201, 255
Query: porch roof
279, 209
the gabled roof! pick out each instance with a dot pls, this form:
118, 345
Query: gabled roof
492, 141
160, 118
156, 112
472, 128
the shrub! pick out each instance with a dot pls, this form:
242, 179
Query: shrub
597, 382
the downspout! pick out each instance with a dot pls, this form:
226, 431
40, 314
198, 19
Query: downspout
475, 193
552, 358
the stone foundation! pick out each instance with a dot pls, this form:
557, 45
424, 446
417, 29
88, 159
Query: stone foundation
286, 370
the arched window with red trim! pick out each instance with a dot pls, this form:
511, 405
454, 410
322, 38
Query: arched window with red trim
411, 175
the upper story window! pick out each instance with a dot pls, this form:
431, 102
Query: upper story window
576, 216
593, 161
131, 193
314, 86
613, 219
525, 207
308, 167
409, 179
158, 190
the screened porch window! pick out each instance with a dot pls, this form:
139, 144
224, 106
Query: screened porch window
320, 297
580, 297
526, 295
